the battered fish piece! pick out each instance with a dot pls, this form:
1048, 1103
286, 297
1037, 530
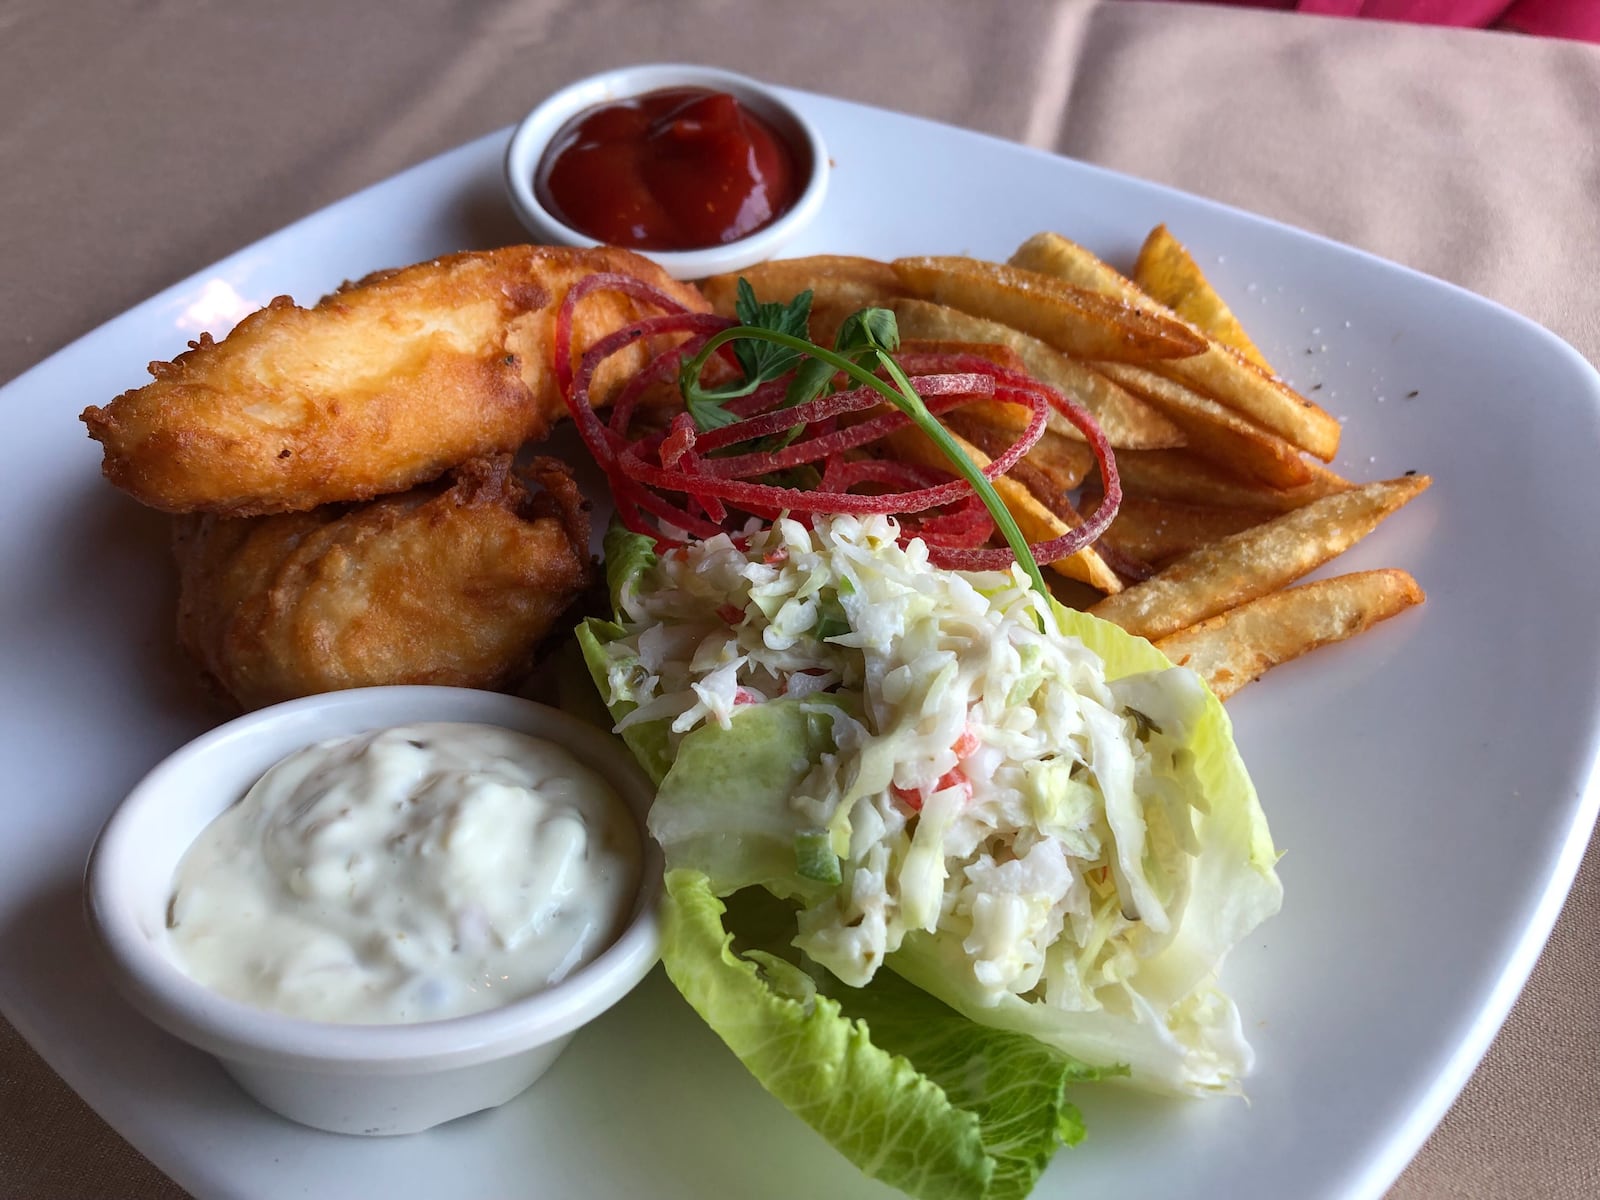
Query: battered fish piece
448, 585
385, 384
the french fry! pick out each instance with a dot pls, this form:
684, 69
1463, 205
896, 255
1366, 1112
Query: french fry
1060, 257
826, 316
1241, 645
1166, 272
1158, 531
1214, 432
1222, 372
993, 352
834, 279
1127, 422
1037, 522
1064, 462
1051, 487
1221, 510
1182, 476
1325, 480
1079, 322
1245, 565
1061, 464
1218, 370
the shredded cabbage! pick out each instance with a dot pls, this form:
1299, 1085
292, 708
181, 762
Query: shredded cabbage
1010, 828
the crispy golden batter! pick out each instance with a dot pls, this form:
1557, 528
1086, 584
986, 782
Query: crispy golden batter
440, 585
385, 384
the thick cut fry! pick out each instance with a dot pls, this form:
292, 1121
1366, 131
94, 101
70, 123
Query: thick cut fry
1183, 476
1217, 370
833, 279
1079, 322
1048, 487
387, 383
1128, 422
826, 318
991, 352
1166, 272
1225, 374
1051, 482
1158, 531
1037, 522
1246, 565
1215, 432
1241, 645
986, 423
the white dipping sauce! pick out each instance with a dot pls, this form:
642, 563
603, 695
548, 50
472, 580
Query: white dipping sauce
412, 874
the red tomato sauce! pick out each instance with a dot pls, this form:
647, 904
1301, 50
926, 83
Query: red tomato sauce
677, 169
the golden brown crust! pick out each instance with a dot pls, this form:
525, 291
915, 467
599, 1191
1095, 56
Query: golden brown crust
386, 383
452, 585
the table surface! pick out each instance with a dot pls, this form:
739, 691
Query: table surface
140, 146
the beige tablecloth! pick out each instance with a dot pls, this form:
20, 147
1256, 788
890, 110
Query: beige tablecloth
140, 142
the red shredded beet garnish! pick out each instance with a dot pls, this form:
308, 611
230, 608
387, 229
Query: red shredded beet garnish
692, 483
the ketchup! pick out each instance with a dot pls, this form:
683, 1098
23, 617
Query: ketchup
677, 169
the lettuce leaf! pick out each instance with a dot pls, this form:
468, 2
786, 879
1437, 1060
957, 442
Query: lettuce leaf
648, 741
912, 1093
746, 833
628, 556
721, 816
1175, 1031
911, 1077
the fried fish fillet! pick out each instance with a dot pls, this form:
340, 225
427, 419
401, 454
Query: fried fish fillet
385, 384
446, 585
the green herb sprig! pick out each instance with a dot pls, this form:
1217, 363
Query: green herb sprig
771, 341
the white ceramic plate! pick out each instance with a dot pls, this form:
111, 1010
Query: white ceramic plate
1429, 783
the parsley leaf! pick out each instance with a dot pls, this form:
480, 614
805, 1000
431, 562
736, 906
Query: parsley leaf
862, 334
761, 361
764, 361
707, 411
869, 329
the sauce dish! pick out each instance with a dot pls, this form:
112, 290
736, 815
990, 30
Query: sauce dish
348, 1078
535, 134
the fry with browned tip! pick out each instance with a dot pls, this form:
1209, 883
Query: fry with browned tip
445, 585
1241, 645
1216, 368
1245, 565
385, 384
1075, 320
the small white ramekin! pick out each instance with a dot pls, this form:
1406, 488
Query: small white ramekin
539, 127
364, 1079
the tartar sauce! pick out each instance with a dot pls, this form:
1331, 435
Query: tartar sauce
412, 874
